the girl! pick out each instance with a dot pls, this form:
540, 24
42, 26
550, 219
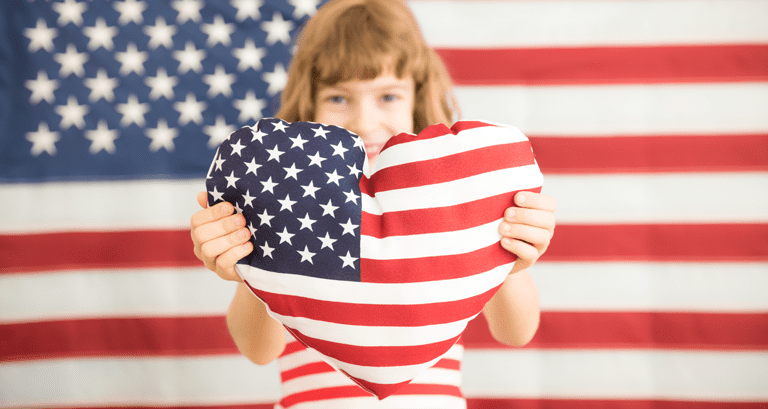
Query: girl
363, 65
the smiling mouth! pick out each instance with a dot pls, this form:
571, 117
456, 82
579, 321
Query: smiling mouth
373, 149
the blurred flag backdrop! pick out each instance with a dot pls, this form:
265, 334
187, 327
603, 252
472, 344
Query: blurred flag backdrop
648, 118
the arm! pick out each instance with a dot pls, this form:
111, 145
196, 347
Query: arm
221, 238
513, 312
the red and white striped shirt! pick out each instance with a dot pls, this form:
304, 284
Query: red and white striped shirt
308, 382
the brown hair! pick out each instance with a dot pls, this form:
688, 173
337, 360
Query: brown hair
358, 39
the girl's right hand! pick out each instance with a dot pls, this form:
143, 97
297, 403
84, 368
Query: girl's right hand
220, 237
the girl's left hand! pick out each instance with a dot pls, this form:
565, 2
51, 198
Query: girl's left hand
528, 228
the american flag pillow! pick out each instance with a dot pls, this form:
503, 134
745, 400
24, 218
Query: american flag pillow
377, 271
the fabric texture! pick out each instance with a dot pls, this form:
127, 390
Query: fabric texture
378, 272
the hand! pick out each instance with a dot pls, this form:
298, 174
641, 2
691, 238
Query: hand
220, 237
528, 228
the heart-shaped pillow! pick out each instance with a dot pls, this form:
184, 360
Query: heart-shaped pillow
378, 272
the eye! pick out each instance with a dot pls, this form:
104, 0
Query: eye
336, 99
389, 97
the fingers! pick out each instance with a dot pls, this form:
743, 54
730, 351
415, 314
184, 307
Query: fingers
531, 217
537, 201
212, 214
531, 236
202, 199
220, 237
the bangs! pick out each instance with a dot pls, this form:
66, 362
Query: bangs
363, 44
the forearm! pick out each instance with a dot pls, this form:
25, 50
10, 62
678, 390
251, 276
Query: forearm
513, 313
256, 334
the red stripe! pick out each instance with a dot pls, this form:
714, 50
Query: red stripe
335, 392
375, 314
182, 336
306, 370
676, 153
520, 403
377, 356
423, 269
643, 330
659, 242
601, 65
449, 168
90, 250
434, 131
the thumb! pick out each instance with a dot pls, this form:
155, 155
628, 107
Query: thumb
202, 199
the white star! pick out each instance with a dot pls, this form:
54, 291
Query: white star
162, 85
248, 199
247, 8
250, 107
43, 140
72, 114
71, 61
269, 186
353, 170
231, 180
276, 79
339, 150
132, 60
348, 260
277, 30
133, 111
310, 189
69, 11
238, 209
258, 135
306, 222
252, 229
358, 143
252, 167
265, 218
303, 8
41, 36
348, 227
320, 131
329, 209
101, 86
220, 82
316, 159
188, 10
334, 177
285, 237
267, 250
292, 172
160, 34
218, 32
306, 255
249, 56
218, 132
189, 59
279, 126
217, 196
287, 203
130, 10
298, 142
42, 88
237, 147
102, 138
100, 35
274, 154
219, 162
327, 241
351, 196
190, 110
162, 136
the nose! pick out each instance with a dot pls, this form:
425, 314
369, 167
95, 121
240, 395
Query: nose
364, 118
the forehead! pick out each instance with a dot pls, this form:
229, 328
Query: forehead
385, 81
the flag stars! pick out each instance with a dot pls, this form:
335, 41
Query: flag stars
269, 186
218, 132
349, 228
219, 83
327, 241
100, 35
348, 260
219, 162
237, 148
42, 88
231, 180
306, 255
250, 107
316, 159
274, 154
334, 177
353, 170
292, 172
102, 138
191, 110
287, 203
190, 59
298, 142
277, 30
216, 195
189, 10
162, 85
71, 62
252, 167
249, 56
310, 189
320, 131
351, 196
248, 199
133, 112
41, 37
132, 60
160, 34
339, 150
329, 209
265, 218
252, 229
69, 11
218, 32
43, 140
72, 114
279, 126
246, 9
303, 8
276, 79
306, 222
162, 138
258, 136
101, 86
285, 236
266, 250
130, 11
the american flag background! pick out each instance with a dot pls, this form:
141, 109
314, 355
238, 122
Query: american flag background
649, 120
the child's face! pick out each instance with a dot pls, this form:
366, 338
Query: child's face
374, 109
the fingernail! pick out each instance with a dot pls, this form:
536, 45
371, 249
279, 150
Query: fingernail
520, 198
510, 213
505, 227
243, 234
240, 221
226, 209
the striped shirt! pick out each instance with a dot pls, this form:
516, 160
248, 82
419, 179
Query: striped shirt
308, 382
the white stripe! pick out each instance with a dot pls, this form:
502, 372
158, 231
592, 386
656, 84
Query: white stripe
373, 293
113, 293
534, 23
622, 109
660, 198
454, 192
431, 244
617, 374
392, 402
99, 206
182, 381
384, 375
694, 287
449, 144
